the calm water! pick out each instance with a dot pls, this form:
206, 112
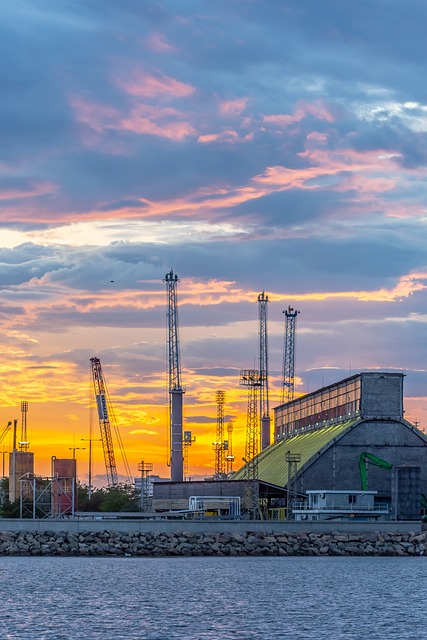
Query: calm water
213, 598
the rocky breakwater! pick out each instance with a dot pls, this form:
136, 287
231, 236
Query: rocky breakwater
186, 543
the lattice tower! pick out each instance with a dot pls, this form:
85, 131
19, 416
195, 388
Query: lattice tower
24, 444
251, 379
264, 408
218, 445
175, 389
288, 387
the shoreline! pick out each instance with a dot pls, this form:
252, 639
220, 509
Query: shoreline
190, 543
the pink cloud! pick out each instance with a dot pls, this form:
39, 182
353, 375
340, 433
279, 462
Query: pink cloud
225, 136
148, 85
157, 42
317, 109
232, 107
32, 189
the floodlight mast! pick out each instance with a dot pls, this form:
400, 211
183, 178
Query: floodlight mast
288, 387
264, 408
175, 389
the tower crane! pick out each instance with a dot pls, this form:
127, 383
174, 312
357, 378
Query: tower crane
289, 355
263, 368
176, 391
104, 408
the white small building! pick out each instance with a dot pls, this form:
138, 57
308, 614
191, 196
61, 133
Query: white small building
340, 505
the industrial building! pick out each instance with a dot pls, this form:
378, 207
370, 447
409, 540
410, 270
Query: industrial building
347, 436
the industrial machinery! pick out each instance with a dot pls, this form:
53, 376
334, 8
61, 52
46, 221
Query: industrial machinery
5, 431
288, 388
176, 391
263, 368
365, 458
104, 407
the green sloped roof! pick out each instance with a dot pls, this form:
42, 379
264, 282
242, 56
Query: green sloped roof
272, 465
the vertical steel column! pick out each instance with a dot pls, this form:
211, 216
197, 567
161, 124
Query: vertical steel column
175, 389
289, 355
264, 408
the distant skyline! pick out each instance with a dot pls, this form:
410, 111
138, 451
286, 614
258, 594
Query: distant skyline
250, 146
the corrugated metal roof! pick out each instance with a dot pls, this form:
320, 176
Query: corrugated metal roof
272, 465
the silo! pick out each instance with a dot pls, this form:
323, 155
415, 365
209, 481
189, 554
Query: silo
21, 469
64, 490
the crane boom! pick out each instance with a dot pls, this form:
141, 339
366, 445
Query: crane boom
104, 422
5, 431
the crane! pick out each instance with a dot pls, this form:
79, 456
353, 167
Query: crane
263, 368
104, 405
289, 355
366, 457
5, 431
176, 391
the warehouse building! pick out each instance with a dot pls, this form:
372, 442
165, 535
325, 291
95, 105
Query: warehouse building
348, 436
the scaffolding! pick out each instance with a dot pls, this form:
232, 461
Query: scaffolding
41, 498
145, 468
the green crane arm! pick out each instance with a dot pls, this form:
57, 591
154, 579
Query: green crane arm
366, 457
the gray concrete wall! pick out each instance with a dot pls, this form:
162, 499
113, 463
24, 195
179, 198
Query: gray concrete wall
215, 526
338, 467
382, 395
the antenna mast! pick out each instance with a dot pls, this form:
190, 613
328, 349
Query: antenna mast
289, 355
175, 389
264, 408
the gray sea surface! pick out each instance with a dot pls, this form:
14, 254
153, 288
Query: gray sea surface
213, 598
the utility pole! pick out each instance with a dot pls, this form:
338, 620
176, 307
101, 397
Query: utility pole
186, 443
90, 440
264, 408
74, 449
251, 379
229, 458
289, 355
176, 391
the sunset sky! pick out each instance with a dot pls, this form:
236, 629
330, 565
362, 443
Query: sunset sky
249, 145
